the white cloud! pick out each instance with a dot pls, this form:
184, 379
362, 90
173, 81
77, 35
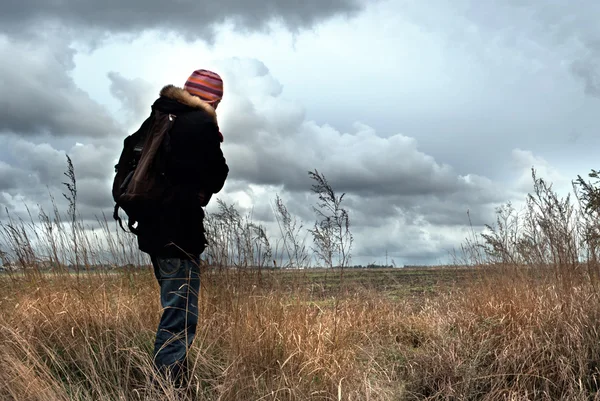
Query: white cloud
524, 161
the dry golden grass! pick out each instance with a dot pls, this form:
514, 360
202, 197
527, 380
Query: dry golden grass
92, 340
512, 337
524, 325
508, 337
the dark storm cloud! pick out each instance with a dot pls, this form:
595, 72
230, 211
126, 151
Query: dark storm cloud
377, 211
39, 161
389, 182
38, 175
95, 194
193, 19
268, 142
400, 199
540, 32
10, 178
589, 73
37, 95
133, 95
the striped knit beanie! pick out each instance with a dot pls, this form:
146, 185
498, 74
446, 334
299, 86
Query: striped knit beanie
207, 85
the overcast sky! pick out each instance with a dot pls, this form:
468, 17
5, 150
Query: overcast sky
418, 110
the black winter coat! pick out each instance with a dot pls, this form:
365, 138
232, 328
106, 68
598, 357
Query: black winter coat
196, 169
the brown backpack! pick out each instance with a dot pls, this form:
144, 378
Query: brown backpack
140, 181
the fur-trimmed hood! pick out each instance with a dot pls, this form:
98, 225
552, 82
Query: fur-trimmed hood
182, 96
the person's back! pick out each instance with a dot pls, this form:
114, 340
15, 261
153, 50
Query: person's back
174, 236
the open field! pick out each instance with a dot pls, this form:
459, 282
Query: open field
522, 323
367, 335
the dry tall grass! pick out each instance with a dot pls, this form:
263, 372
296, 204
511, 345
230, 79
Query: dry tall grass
523, 325
63, 339
92, 340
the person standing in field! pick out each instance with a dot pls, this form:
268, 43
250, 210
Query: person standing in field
174, 237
